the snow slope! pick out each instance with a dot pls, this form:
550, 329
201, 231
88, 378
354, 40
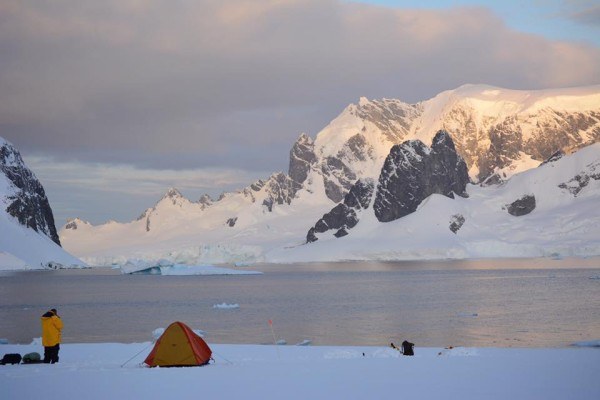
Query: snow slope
562, 224
187, 233
95, 371
22, 247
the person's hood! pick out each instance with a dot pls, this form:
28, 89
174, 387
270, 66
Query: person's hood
49, 314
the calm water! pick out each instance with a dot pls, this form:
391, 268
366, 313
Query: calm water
520, 303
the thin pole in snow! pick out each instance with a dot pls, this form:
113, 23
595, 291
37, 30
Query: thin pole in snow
122, 365
220, 356
274, 341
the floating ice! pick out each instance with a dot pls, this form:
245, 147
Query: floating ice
589, 343
225, 306
467, 315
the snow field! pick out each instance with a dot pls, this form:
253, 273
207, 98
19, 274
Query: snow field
94, 371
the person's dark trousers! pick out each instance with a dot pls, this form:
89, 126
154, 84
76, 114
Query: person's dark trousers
51, 354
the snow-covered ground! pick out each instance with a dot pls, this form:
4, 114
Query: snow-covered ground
96, 371
23, 248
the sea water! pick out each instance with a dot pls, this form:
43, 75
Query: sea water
494, 303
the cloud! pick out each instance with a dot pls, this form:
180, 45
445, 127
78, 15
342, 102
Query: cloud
212, 84
158, 78
95, 190
589, 16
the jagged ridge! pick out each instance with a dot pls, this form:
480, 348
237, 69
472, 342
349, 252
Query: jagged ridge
27, 202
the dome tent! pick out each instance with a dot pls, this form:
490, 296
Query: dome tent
179, 346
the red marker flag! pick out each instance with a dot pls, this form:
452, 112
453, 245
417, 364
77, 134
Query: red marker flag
270, 322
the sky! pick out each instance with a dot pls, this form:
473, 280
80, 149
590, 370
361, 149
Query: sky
113, 102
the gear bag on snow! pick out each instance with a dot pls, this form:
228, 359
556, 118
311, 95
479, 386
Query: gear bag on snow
11, 358
408, 348
32, 358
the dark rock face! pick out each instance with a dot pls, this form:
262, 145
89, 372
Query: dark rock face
71, 224
554, 157
338, 178
205, 201
412, 172
457, 221
29, 204
338, 171
562, 130
493, 179
344, 216
392, 117
506, 141
548, 131
231, 222
279, 189
302, 157
582, 179
522, 206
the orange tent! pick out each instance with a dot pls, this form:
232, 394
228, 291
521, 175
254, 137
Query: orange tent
179, 346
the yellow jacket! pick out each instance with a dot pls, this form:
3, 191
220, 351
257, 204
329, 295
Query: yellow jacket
51, 328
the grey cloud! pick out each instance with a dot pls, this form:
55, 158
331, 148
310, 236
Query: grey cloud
211, 83
589, 16
97, 192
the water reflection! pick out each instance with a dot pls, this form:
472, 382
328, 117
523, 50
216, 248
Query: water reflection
469, 303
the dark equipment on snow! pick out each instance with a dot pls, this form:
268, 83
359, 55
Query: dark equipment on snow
11, 358
32, 358
408, 348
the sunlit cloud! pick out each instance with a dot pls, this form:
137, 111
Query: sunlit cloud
215, 85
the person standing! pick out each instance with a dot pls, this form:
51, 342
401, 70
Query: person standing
51, 331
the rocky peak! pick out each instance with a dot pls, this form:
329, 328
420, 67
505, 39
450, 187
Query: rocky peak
302, 157
172, 193
27, 201
412, 172
75, 223
345, 215
205, 201
172, 197
392, 117
279, 189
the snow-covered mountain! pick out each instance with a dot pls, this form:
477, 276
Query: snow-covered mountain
29, 238
548, 211
411, 173
496, 133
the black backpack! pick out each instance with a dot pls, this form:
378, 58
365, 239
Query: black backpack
408, 348
11, 358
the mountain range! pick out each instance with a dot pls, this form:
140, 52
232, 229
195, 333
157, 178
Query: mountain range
460, 175
478, 171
